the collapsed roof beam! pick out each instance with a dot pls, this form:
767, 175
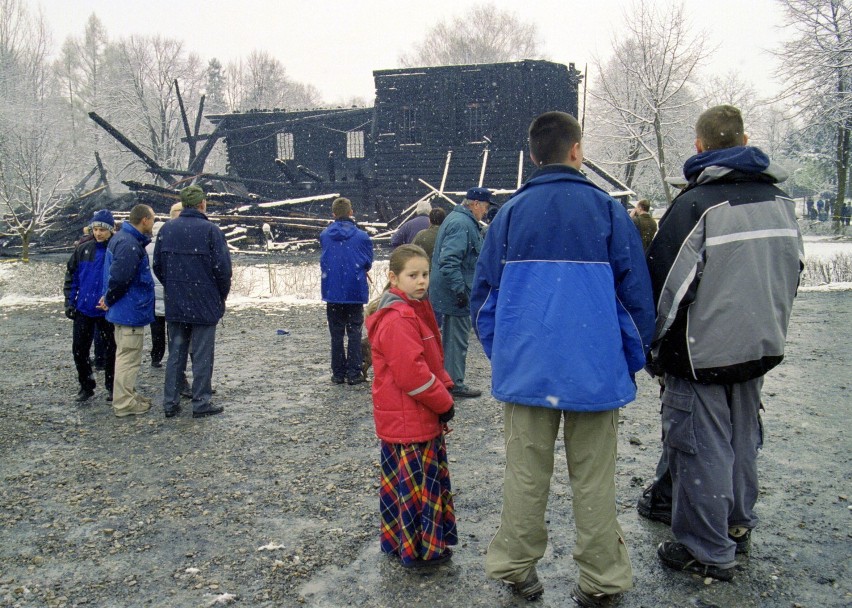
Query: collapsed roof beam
154, 167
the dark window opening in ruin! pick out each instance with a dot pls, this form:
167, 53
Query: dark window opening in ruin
409, 127
355, 144
477, 121
286, 150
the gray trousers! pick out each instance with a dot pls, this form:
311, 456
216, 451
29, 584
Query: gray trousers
712, 433
202, 339
455, 332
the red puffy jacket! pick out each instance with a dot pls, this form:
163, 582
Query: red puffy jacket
410, 385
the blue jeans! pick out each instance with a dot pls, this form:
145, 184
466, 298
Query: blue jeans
202, 339
345, 320
455, 332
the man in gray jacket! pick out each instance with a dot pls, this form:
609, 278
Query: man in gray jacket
457, 249
725, 267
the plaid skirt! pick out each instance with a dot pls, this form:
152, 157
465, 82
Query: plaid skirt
416, 501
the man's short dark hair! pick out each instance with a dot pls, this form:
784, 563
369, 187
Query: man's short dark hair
644, 205
139, 213
720, 127
552, 135
341, 207
436, 216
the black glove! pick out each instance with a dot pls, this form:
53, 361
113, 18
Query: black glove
461, 300
70, 312
448, 415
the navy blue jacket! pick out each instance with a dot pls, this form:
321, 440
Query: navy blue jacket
561, 298
84, 278
405, 234
192, 261
127, 276
347, 256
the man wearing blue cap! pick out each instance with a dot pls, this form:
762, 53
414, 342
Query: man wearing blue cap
453, 262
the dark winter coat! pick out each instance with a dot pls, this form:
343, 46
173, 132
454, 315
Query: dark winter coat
725, 268
454, 261
127, 275
426, 239
405, 234
647, 227
410, 386
347, 256
562, 299
192, 261
84, 278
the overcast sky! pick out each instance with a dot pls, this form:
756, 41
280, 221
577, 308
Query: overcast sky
336, 44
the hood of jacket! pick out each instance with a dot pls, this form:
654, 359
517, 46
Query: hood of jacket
714, 164
342, 229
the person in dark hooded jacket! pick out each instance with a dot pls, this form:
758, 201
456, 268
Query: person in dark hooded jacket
725, 267
347, 256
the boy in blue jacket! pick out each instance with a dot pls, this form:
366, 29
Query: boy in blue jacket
562, 304
83, 288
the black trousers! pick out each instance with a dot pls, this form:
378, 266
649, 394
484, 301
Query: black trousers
158, 338
345, 321
84, 331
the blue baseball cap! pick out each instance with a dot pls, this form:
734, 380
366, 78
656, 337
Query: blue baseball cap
480, 194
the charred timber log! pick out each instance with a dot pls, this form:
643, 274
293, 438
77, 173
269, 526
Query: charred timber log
310, 173
185, 120
154, 167
287, 171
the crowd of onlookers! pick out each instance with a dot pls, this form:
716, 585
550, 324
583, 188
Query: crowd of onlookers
570, 297
823, 210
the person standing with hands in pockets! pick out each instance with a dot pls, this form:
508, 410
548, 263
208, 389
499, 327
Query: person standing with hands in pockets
411, 408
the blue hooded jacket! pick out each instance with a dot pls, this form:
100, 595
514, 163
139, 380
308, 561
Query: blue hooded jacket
347, 256
561, 297
127, 276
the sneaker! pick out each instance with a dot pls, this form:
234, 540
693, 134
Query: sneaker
464, 392
156, 364
338, 379
676, 556
140, 407
210, 410
592, 600
356, 380
531, 589
172, 411
84, 394
651, 506
741, 536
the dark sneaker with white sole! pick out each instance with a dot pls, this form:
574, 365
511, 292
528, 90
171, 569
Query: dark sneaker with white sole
210, 410
593, 600
741, 536
465, 392
530, 589
676, 556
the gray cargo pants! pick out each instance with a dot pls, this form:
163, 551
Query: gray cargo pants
712, 433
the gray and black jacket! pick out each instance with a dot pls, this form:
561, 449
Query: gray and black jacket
725, 267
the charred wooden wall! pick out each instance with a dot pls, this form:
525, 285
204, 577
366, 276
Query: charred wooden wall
420, 114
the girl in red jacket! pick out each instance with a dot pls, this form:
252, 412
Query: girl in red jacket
411, 406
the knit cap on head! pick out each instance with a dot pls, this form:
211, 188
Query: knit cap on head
191, 196
423, 208
103, 219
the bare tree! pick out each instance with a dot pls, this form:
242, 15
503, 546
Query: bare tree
643, 92
30, 178
817, 69
141, 94
261, 82
484, 34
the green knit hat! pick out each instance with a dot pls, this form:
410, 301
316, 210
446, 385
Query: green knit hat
191, 196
